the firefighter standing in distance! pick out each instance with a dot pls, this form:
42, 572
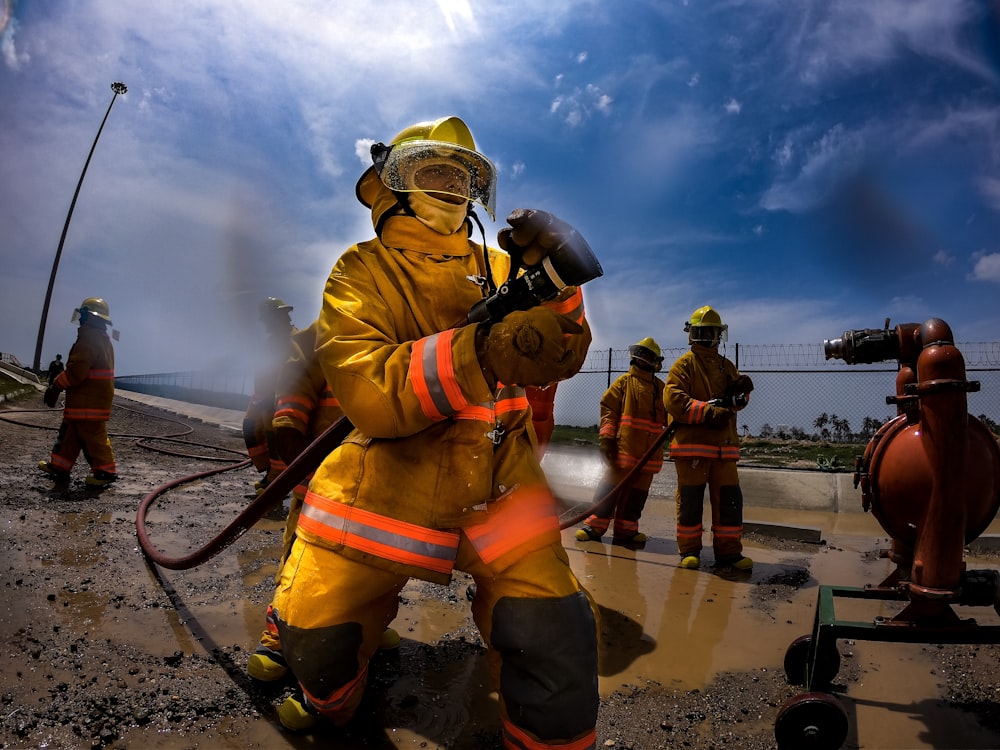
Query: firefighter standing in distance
703, 393
258, 432
89, 382
439, 473
56, 367
632, 417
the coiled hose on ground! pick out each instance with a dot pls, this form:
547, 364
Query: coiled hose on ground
275, 492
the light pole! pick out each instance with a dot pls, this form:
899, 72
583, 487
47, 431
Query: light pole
118, 88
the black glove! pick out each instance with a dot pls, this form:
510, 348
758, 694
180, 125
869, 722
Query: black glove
718, 416
528, 347
51, 396
289, 443
742, 384
533, 234
609, 450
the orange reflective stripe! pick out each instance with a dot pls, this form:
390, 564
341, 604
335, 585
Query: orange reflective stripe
727, 532
102, 374
598, 524
689, 532
519, 517
432, 373
608, 430
62, 380
627, 462
644, 425
256, 451
336, 701
378, 535
517, 738
295, 407
696, 412
703, 450
572, 306
511, 399
629, 527
479, 412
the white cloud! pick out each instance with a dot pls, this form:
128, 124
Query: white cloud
990, 188
942, 257
853, 36
837, 153
732, 107
987, 268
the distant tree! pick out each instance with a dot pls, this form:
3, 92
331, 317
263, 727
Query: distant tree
869, 427
820, 424
841, 429
798, 433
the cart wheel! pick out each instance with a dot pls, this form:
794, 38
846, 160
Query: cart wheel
811, 721
797, 660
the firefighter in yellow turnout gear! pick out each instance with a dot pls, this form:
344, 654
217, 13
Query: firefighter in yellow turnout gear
704, 391
439, 472
258, 432
89, 382
632, 417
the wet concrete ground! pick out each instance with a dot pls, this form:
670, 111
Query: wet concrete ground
662, 625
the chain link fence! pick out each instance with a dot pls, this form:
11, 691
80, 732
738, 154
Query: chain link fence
798, 393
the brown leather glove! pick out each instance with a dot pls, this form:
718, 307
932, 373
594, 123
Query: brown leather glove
742, 384
533, 234
528, 347
609, 450
718, 416
51, 396
289, 443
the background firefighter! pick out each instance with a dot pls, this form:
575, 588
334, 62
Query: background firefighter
632, 417
89, 382
258, 432
304, 408
56, 368
440, 471
703, 393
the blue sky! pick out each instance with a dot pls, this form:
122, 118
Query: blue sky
806, 167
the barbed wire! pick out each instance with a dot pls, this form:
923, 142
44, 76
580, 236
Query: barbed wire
982, 354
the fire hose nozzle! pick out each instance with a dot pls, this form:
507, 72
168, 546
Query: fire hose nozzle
864, 345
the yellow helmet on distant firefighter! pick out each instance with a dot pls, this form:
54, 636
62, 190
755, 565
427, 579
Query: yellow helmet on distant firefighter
92, 306
273, 305
646, 352
419, 154
705, 327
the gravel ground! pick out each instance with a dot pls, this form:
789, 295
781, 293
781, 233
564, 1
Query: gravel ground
90, 654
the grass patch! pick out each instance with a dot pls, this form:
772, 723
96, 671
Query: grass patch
773, 452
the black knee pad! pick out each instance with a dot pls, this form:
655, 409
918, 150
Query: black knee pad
548, 674
692, 505
731, 505
322, 659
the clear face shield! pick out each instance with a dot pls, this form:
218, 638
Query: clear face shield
437, 167
707, 335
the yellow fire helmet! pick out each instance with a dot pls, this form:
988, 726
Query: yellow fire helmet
647, 351
442, 144
93, 306
706, 327
272, 305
